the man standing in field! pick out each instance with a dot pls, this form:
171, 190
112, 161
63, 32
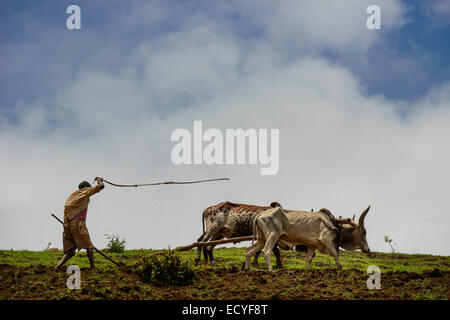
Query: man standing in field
76, 235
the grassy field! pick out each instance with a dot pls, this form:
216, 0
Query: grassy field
30, 275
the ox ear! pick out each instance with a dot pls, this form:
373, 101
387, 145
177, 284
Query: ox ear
349, 226
363, 215
343, 220
353, 224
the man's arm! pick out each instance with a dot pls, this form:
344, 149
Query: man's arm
97, 188
100, 182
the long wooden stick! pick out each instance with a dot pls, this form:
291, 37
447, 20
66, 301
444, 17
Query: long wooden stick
101, 253
211, 243
159, 183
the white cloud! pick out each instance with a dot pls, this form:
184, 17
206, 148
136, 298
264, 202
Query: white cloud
332, 24
438, 7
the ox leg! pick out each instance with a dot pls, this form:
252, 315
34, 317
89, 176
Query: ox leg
277, 254
209, 251
199, 250
335, 254
254, 248
301, 248
270, 243
310, 253
336, 259
205, 256
331, 250
255, 259
207, 237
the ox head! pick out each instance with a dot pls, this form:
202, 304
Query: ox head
354, 234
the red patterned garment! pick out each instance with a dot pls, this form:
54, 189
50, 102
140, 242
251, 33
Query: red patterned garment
81, 215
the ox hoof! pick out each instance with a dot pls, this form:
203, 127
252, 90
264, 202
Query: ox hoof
245, 268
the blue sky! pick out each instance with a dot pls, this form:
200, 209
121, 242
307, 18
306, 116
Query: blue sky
363, 114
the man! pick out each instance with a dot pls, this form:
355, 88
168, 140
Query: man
76, 235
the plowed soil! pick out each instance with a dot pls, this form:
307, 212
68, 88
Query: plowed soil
43, 282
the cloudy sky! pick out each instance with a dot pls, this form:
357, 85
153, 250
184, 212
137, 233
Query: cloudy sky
363, 114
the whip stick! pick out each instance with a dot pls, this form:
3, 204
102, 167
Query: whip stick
159, 183
101, 253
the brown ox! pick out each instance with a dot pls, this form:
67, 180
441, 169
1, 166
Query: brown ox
316, 230
229, 220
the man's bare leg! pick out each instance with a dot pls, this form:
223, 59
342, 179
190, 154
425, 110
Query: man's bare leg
66, 258
90, 254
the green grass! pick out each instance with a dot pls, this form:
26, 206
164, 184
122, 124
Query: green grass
393, 262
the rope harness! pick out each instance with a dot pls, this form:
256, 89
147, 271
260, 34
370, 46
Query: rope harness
340, 234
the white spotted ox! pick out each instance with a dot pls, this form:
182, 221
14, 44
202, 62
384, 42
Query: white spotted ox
229, 220
316, 230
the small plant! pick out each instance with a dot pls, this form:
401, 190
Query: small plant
48, 246
390, 242
166, 268
115, 244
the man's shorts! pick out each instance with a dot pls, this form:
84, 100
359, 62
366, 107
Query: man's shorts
76, 235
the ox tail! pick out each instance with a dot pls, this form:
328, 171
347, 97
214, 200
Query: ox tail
203, 222
254, 227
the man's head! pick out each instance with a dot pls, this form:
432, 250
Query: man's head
84, 184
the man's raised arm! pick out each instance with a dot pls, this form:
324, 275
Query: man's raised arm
97, 188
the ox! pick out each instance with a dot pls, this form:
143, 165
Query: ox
229, 220
315, 230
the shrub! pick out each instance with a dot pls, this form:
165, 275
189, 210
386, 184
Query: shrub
115, 244
166, 268
390, 242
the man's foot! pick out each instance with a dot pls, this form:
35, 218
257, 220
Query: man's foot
58, 268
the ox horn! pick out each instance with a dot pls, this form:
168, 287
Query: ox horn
363, 215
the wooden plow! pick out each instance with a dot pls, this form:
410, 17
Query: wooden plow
212, 243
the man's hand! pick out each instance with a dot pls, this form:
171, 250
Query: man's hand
99, 181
